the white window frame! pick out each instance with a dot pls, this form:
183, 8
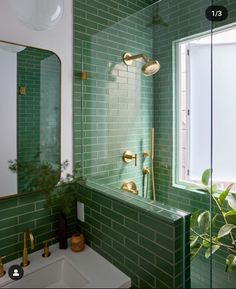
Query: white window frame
177, 178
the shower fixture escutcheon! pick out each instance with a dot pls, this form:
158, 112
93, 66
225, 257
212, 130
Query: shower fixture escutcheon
130, 187
150, 67
128, 156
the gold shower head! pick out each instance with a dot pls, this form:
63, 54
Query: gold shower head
150, 67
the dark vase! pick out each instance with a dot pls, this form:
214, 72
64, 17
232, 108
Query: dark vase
62, 232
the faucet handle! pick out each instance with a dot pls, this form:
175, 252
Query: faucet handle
146, 154
128, 156
46, 252
2, 272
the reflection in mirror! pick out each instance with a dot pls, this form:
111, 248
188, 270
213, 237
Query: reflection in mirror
29, 114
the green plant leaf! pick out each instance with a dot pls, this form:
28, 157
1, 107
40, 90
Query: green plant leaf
224, 194
214, 219
212, 250
230, 213
194, 251
204, 221
206, 176
194, 218
214, 188
194, 242
231, 217
230, 263
206, 243
225, 230
232, 201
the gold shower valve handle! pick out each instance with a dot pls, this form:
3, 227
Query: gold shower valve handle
146, 171
146, 154
46, 252
2, 272
128, 156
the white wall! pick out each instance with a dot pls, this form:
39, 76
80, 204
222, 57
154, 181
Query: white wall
59, 40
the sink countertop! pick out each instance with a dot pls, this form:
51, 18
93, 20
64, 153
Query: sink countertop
99, 272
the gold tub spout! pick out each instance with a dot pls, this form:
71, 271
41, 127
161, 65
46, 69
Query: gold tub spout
130, 187
27, 235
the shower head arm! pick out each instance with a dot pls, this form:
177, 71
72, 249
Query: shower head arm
133, 57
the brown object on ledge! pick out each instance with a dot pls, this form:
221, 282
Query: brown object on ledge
77, 242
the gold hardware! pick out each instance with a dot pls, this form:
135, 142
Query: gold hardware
22, 90
128, 58
2, 272
151, 155
84, 75
128, 156
46, 252
130, 187
146, 171
146, 154
27, 235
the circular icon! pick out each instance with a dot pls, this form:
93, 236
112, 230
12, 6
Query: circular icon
15, 272
216, 13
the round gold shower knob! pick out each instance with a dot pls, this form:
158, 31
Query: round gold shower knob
128, 157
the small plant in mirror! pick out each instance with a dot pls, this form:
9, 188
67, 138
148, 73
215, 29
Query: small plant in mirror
206, 233
46, 178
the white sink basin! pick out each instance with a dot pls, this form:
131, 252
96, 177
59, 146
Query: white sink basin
65, 269
60, 274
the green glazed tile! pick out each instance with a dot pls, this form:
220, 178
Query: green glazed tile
125, 211
141, 272
133, 256
113, 234
115, 254
142, 230
113, 215
125, 231
141, 251
101, 218
167, 279
157, 249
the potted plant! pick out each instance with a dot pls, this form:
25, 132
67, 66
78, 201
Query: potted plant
205, 234
60, 193
63, 197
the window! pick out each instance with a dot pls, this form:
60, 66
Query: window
194, 107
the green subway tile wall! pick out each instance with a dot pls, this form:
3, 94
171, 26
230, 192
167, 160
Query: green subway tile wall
145, 242
28, 106
38, 111
117, 99
117, 113
184, 18
27, 212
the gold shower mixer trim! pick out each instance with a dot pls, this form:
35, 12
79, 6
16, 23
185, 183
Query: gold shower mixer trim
128, 157
130, 187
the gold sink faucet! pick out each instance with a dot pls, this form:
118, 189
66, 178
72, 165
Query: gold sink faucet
27, 235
